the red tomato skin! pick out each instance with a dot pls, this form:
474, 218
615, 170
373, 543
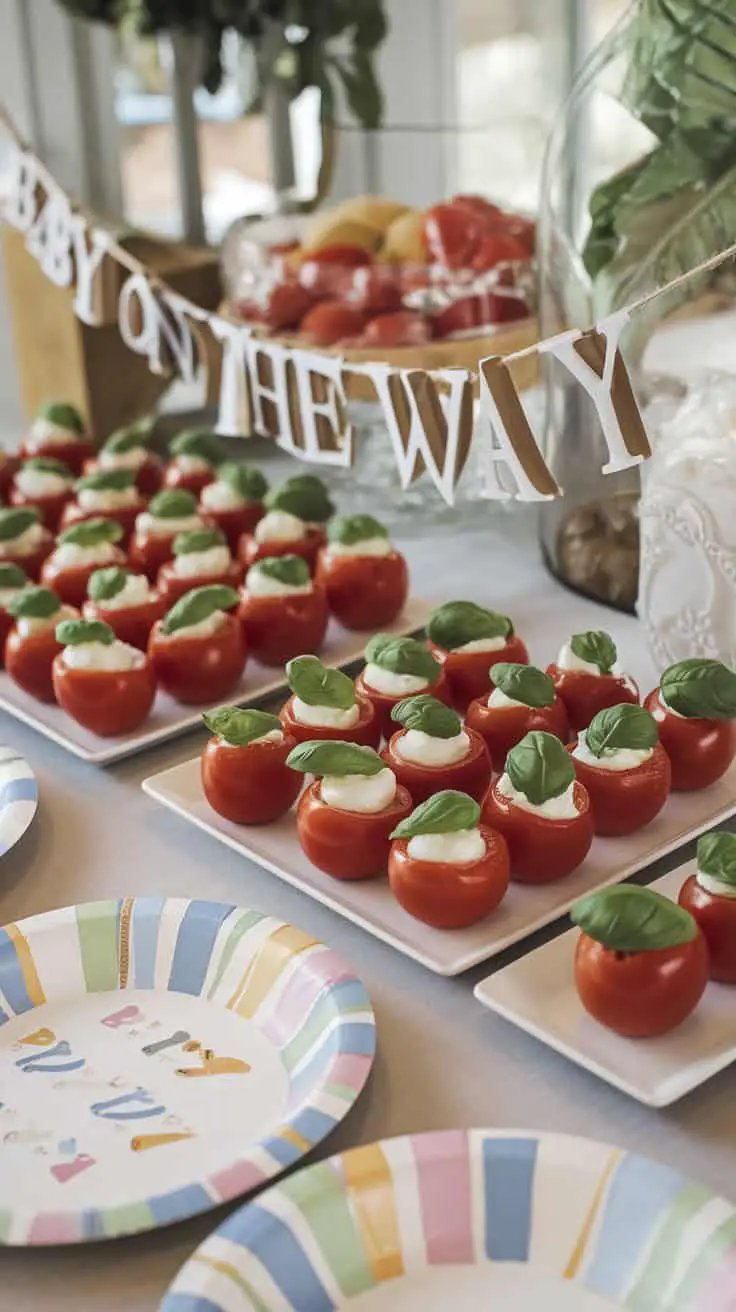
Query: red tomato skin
149, 551
495, 248
716, 918
366, 733
278, 628
131, 624
9, 467
107, 702
641, 994
6, 624
32, 563
28, 661
700, 751
472, 775
332, 321
49, 508
625, 800
234, 522
348, 844
375, 290
249, 551
450, 896
72, 453
467, 671
199, 670
340, 253
287, 304
250, 785
490, 213
384, 704
460, 317
172, 587
125, 516
148, 476
69, 582
400, 328
364, 592
188, 480
585, 695
452, 233
541, 849
503, 727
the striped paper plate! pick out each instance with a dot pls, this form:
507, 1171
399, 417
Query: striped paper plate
18, 798
159, 1057
471, 1220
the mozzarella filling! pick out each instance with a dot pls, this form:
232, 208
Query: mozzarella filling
204, 629
110, 498
192, 464
616, 758
132, 459
555, 808
717, 887
259, 584
499, 701
368, 547
109, 657
280, 526
70, 554
273, 736
159, 526
324, 717
421, 748
196, 564
136, 591
483, 644
221, 496
366, 793
460, 848
26, 542
44, 433
40, 483
391, 684
28, 625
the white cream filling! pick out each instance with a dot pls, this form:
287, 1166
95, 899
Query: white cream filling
204, 629
159, 526
325, 717
368, 547
617, 758
26, 542
194, 564
110, 498
665, 708
44, 433
367, 793
273, 736
280, 526
258, 584
483, 644
393, 685
192, 464
136, 591
567, 660
715, 886
459, 848
132, 459
498, 700
422, 749
110, 657
555, 808
9, 594
221, 496
40, 483
69, 554
27, 625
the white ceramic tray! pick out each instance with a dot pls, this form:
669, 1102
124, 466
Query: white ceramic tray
538, 994
169, 718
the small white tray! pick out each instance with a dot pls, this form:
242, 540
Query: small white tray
371, 905
168, 718
538, 994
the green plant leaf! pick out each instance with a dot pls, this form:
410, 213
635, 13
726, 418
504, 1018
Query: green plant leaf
131, 437
200, 539
458, 622
247, 481
199, 442
63, 416
15, 522
539, 767
349, 529
240, 727
621, 726
716, 856
12, 576
317, 685
43, 465
92, 532
106, 480
402, 656
174, 503
596, 647
334, 758
70, 633
305, 496
627, 918
292, 570
443, 813
700, 689
198, 605
34, 603
427, 715
523, 683
106, 583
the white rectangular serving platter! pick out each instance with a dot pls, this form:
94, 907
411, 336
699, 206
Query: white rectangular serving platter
371, 905
538, 994
169, 718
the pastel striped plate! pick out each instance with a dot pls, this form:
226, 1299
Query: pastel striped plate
471, 1220
159, 1057
18, 798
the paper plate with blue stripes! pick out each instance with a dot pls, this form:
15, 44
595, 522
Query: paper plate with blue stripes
159, 1057
474, 1220
18, 798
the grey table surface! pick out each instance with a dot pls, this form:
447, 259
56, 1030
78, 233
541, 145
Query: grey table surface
443, 1060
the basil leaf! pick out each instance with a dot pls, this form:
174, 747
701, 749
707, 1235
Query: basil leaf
716, 854
202, 539
349, 529
199, 442
131, 437
621, 726
106, 480
15, 522
524, 683
458, 622
248, 482
627, 918
539, 767
700, 689
322, 757
402, 656
92, 532
34, 603
444, 813
174, 503
316, 685
106, 583
44, 465
239, 727
197, 605
12, 576
70, 633
305, 496
427, 715
292, 570
63, 416
596, 647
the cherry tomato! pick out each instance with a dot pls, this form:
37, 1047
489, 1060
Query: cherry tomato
366, 732
340, 253
495, 248
716, 918
189, 480
471, 775
401, 328
31, 562
700, 751
541, 849
308, 547
449, 896
250, 785
279, 628
286, 306
641, 994
467, 671
524, 230
463, 316
452, 234
131, 624
502, 307
331, 321
348, 844
125, 516
503, 727
69, 582
384, 703
29, 658
198, 670
585, 694
485, 209
364, 592
625, 800
107, 702
6, 624
147, 552
172, 586
72, 453
148, 476
9, 466
375, 290
50, 508
235, 521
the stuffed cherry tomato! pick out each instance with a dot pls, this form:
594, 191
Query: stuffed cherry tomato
345, 819
195, 456
542, 811
468, 640
168, 514
364, 577
234, 502
397, 668
522, 700
587, 677
109, 492
128, 449
13, 581
283, 611
46, 484
79, 551
624, 769
126, 603
641, 963
445, 868
694, 709
325, 705
100, 681
24, 541
58, 433
31, 645
200, 558
198, 649
245, 777
433, 752
710, 897
293, 524
9, 466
